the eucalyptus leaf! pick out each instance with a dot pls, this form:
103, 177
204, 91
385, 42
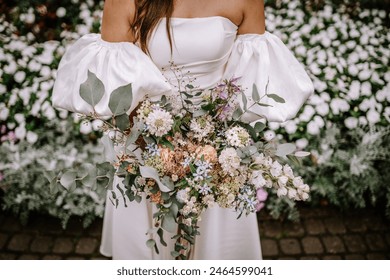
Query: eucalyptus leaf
121, 100
259, 127
255, 93
285, 149
167, 143
150, 243
237, 113
160, 233
244, 101
199, 113
174, 209
169, 223
92, 90
135, 132
175, 254
263, 104
49, 175
151, 173
276, 98
53, 186
122, 121
68, 179
122, 193
109, 151
302, 154
167, 181
90, 179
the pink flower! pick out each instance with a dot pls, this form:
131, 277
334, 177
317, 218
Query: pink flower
259, 206
261, 196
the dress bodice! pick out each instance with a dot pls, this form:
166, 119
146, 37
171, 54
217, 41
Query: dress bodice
200, 47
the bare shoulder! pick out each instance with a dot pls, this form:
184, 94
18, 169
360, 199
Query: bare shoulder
253, 17
117, 18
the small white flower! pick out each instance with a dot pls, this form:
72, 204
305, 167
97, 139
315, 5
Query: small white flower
351, 122
282, 181
313, 128
281, 191
269, 135
159, 122
297, 181
229, 161
61, 12
373, 116
32, 137
287, 170
20, 132
276, 169
302, 143
237, 137
292, 193
4, 112
182, 196
19, 77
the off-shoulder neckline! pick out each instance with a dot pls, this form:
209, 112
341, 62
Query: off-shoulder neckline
205, 18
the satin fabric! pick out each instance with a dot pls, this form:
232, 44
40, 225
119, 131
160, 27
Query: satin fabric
206, 50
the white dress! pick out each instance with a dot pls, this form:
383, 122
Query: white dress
210, 50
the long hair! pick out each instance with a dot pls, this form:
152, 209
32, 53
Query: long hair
147, 15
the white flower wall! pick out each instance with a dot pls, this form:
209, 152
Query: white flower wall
346, 56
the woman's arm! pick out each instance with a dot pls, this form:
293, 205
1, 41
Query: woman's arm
254, 19
117, 18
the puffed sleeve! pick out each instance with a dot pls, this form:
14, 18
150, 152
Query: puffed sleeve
115, 64
261, 59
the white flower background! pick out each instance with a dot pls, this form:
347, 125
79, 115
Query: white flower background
346, 55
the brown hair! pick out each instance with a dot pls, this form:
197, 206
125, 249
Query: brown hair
147, 15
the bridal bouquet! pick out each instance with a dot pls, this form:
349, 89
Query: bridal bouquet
190, 151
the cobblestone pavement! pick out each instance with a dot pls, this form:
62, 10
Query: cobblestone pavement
321, 233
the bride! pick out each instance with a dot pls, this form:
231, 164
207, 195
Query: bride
210, 40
